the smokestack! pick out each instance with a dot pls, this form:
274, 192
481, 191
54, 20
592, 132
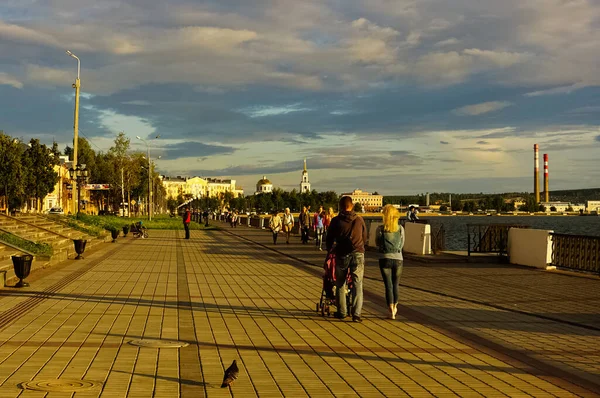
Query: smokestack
427, 200
546, 189
536, 172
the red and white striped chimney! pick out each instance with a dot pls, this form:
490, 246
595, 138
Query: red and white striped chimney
536, 172
546, 186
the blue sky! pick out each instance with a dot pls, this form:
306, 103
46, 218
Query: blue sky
396, 96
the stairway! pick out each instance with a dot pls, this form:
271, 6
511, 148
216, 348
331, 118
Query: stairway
36, 228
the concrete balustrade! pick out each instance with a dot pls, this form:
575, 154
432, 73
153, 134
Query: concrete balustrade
531, 247
417, 238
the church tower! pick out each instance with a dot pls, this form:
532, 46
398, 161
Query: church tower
304, 184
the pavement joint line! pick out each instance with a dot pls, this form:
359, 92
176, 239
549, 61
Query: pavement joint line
11, 314
190, 355
516, 358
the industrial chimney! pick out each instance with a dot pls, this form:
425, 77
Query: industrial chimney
546, 188
536, 172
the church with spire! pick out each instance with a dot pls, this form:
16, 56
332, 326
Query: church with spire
304, 184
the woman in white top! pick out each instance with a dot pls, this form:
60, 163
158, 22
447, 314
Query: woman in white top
288, 224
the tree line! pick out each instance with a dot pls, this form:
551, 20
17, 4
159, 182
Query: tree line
471, 202
27, 174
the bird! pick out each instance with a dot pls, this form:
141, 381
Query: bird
231, 374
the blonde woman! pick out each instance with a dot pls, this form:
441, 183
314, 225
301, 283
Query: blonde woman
327, 217
390, 241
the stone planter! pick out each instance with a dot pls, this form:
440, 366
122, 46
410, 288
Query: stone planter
79, 247
115, 234
22, 266
125, 230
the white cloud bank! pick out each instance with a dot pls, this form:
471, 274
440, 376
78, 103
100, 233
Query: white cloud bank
480, 109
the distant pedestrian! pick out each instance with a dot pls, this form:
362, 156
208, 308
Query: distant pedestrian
232, 219
411, 214
205, 215
275, 225
390, 241
187, 219
318, 227
288, 224
304, 221
349, 233
327, 217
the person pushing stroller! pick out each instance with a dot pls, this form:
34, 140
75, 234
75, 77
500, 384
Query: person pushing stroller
349, 233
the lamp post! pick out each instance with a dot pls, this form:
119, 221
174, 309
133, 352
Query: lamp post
150, 193
76, 86
80, 175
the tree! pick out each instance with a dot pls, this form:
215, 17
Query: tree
11, 181
456, 205
443, 208
552, 208
40, 177
119, 152
542, 208
358, 207
570, 208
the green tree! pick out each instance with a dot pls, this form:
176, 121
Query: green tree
358, 207
11, 171
552, 208
443, 208
40, 177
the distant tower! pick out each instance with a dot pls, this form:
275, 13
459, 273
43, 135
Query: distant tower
536, 173
546, 183
304, 185
427, 199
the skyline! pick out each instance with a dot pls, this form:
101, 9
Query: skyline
398, 97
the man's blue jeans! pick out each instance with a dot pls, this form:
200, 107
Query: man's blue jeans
318, 236
355, 262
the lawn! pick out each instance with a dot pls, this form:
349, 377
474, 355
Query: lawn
158, 222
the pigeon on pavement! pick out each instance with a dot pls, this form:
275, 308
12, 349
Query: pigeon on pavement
231, 374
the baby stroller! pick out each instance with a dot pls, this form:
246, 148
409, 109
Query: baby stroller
328, 292
138, 230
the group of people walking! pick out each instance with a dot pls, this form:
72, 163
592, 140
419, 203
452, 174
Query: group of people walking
346, 233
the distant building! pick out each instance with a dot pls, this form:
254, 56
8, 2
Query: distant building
304, 184
263, 186
366, 199
174, 186
562, 207
198, 187
593, 205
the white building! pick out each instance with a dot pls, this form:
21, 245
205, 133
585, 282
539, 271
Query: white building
593, 205
304, 184
263, 186
562, 207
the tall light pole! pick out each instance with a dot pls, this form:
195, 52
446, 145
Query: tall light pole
76, 86
150, 193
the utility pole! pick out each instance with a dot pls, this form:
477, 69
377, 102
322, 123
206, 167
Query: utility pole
76, 86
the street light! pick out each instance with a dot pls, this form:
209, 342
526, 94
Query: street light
150, 193
76, 86
80, 175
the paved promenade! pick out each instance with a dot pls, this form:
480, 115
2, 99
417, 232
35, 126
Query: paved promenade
463, 329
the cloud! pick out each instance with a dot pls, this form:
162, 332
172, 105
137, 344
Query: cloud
444, 142
9, 80
483, 142
556, 90
479, 109
193, 149
598, 138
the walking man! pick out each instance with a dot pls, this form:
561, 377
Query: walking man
187, 218
411, 215
349, 233
304, 220
275, 226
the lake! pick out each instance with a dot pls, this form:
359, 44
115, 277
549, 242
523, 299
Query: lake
456, 226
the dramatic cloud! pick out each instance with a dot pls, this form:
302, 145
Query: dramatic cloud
366, 90
479, 109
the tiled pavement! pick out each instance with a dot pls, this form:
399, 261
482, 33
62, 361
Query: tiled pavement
230, 296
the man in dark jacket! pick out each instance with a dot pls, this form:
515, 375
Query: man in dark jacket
349, 233
187, 218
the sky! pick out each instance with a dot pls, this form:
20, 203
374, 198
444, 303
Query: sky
393, 96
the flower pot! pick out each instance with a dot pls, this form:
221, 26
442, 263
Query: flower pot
79, 247
115, 234
125, 230
22, 266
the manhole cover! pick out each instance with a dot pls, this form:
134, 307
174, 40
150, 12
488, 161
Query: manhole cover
158, 343
60, 385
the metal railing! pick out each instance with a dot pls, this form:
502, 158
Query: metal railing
489, 238
577, 252
438, 238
